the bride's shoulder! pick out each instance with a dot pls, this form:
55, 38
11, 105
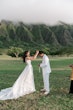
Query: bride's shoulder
27, 59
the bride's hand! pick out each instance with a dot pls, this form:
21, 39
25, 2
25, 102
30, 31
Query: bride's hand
37, 52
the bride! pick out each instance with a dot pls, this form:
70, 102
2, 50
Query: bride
25, 82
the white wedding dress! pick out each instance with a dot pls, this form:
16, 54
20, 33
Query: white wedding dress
23, 85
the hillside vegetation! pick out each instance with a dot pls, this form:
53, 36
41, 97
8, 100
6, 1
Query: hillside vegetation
55, 38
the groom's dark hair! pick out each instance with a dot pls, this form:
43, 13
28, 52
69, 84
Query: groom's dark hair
41, 52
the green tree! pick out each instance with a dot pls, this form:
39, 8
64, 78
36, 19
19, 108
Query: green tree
15, 51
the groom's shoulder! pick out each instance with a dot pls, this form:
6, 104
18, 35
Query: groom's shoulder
46, 56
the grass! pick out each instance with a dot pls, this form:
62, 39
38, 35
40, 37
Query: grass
59, 99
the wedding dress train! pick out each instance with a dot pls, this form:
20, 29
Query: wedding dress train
23, 85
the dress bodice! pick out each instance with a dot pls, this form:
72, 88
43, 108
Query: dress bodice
28, 62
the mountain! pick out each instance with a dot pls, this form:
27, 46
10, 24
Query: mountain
38, 35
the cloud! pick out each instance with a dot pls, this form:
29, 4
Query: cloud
37, 11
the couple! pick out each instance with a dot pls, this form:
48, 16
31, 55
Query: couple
25, 82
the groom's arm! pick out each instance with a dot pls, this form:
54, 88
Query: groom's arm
44, 63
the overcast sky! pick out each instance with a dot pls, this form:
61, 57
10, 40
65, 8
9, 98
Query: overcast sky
37, 11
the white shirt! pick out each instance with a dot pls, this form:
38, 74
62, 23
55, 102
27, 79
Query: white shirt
45, 65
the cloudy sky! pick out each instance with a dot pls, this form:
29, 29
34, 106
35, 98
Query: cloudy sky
37, 11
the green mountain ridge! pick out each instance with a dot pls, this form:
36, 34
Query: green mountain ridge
20, 34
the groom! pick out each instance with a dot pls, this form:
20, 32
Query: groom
46, 70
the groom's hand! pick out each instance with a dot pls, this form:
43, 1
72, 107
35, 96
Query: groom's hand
39, 65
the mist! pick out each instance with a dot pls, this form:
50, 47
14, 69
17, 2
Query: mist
37, 11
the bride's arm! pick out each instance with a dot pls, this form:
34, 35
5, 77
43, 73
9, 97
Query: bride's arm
33, 57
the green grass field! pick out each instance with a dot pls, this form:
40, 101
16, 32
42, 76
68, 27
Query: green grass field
59, 99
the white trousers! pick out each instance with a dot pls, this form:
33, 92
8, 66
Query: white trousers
46, 81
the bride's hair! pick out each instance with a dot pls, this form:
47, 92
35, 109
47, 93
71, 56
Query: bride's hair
25, 55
